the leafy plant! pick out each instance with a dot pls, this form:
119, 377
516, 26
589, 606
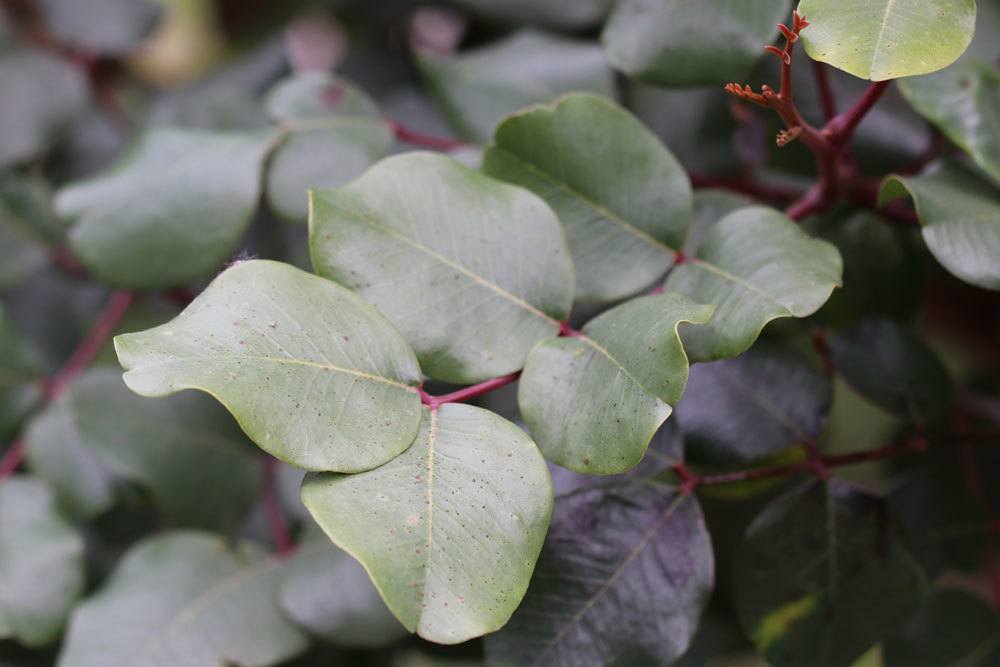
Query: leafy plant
605, 381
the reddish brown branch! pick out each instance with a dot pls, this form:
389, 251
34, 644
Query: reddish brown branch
281, 536
467, 393
415, 138
12, 458
826, 98
841, 129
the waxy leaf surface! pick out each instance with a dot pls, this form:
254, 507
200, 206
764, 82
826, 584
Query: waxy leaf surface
754, 265
625, 214
471, 270
622, 580
593, 402
450, 530
888, 39
171, 211
313, 374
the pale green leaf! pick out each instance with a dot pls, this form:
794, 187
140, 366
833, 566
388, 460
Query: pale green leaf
450, 530
755, 265
960, 218
41, 563
622, 580
184, 599
888, 39
329, 594
625, 214
823, 575
334, 131
690, 42
189, 454
24, 230
312, 373
473, 271
963, 102
20, 376
593, 402
169, 212
565, 14
103, 26
479, 87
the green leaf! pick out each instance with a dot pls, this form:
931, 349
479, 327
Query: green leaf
24, 227
450, 530
690, 42
766, 400
42, 93
593, 402
894, 369
822, 575
334, 131
625, 215
953, 629
41, 563
329, 594
710, 206
478, 88
473, 271
20, 376
888, 39
313, 374
184, 599
755, 265
960, 218
186, 450
963, 102
563, 14
169, 212
622, 580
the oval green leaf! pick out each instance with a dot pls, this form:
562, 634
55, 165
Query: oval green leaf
185, 599
449, 531
888, 39
625, 215
593, 402
755, 265
473, 271
169, 212
313, 374
41, 563
690, 42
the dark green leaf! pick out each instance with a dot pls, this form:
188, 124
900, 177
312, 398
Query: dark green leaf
312, 373
41, 563
184, 599
566, 14
625, 215
953, 629
622, 580
185, 449
334, 133
754, 265
960, 217
25, 226
685, 42
473, 271
894, 369
963, 102
329, 594
170, 212
450, 530
888, 39
593, 402
823, 575
478, 88
20, 376
103, 26
766, 400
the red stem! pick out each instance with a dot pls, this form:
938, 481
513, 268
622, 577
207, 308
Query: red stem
468, 393
12, 458
841, 128
409, 136
826, 97
283, 544
92, 343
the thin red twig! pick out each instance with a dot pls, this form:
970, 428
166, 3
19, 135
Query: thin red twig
467, 393
409, 136
12, 458
841, 128
92, 343
283, 544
